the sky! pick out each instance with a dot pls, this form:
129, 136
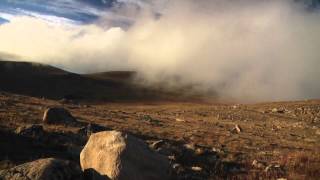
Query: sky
80, 11
242, 49
69, 11
58, 10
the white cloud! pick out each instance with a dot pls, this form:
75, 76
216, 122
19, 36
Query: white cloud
247, 50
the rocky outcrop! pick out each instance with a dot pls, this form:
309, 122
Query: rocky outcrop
115, 155
58, 115
43, 169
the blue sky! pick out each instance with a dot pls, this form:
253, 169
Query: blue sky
71, 11
79, 11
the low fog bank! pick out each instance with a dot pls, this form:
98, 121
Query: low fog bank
244, 50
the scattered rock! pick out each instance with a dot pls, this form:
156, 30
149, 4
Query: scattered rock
199, 151
85, 106
236, 129
180, 120
258, 165
318, 132
58, 116
190, 146
122, 156
172, 158
178, 168
35, 131
273, 168
91, 128
196, 168
176, 165
280, 110
157, 144
43, 169
216, 150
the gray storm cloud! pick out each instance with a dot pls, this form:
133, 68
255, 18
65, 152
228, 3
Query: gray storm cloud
245, 50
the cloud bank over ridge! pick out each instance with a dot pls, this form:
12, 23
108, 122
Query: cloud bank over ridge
244, 50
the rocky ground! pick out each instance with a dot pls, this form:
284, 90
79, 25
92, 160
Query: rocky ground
201, 140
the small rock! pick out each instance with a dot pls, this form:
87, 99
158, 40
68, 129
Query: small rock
35, 131
216, 150
58, 116
268, 168
236, 129
90, 129
176, 165
272, 168
173, 158
180, 120
258, 165
178, 168
190, 146
199, 151
157, 144
196, 168
276, 110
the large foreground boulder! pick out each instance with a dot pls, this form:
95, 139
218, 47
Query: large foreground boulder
58, 115
43, 169
115, 155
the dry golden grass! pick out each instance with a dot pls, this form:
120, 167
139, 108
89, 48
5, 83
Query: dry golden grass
287, 142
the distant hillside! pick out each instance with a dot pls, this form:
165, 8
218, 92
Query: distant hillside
50, 82
113, 75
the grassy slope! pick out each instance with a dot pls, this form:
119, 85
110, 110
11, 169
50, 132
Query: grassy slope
46, 81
